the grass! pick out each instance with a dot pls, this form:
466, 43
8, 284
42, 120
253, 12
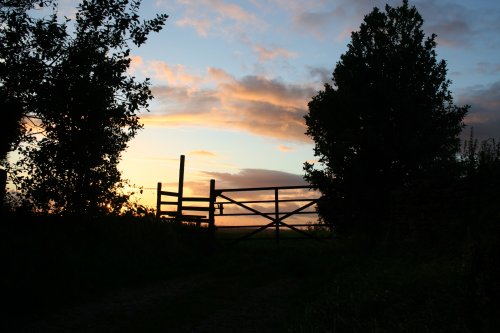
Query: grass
371, 292
342, 285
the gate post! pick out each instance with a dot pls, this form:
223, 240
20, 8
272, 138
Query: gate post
180, 191
277, 215
158, 201
211, 212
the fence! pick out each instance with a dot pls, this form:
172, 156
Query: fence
219, 198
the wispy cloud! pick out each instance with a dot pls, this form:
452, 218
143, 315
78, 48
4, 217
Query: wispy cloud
201, 25
457, 25
209, 15
136, 63
324, 74
205, 153
285, 149
448, 20
317, 18
451, 21
315, 22
228, 10
175, 75
273, 52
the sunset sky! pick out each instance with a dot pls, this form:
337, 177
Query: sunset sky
232, 80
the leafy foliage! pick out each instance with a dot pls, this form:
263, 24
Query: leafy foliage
388, 120
88, 108
26, 45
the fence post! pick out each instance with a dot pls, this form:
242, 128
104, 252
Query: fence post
277, 215
211, 212
180, 191
158, 201
3, 187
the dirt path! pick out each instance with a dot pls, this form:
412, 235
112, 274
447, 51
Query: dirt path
197, 303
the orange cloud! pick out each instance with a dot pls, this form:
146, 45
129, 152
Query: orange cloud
174, 75
257, 105
136, 63
261, 89
219, 75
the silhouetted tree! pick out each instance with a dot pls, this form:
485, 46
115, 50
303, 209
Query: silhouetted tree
388, 119
88, 110
26, 43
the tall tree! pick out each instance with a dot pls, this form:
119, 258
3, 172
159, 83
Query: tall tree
89, 111
389, 118
25, 45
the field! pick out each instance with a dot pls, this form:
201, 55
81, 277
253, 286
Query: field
138, 275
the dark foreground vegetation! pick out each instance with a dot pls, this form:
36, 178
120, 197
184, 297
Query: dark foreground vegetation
433, 268
49, 261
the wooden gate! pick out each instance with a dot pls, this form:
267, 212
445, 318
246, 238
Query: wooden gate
219, 199
276, 216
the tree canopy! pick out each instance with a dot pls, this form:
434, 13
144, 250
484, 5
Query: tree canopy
388, 119
87, 109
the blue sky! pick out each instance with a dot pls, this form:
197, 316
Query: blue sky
232, 80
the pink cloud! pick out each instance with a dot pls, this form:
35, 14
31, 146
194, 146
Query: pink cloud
231, 11
201, 25
266, 54
256, 178
207, 15
205, 153
284, 148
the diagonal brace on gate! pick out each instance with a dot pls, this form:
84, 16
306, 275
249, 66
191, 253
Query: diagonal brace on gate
274, 221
